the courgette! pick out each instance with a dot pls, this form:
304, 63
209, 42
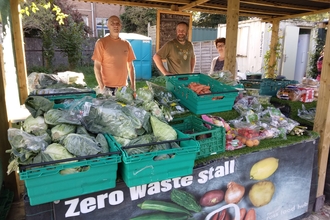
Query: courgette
163, 206
185, 199
161, 216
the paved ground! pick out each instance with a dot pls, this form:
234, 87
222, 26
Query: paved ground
323, 214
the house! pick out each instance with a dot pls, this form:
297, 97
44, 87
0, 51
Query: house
95, 15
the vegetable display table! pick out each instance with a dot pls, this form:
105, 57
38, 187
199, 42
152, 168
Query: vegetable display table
286, 176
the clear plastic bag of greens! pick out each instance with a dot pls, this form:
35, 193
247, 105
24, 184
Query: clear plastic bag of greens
108, 117
247, 103
225, 77
307, 114
125, 95
161, 94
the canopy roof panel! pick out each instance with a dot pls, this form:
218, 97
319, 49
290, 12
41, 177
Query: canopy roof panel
266, 9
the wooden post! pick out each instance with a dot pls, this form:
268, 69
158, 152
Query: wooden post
231, 36
322, 118
9, 181
273, 44
19, 50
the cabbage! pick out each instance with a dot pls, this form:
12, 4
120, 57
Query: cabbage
162, 130
103, 142
58, 152
122, 141
60, 131
80, 145
57, 116
35, 126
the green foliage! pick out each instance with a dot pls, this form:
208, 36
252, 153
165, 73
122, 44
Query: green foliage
270, 71
71, 39
314, 57
136, 19
32, 7
57, 24
211, 20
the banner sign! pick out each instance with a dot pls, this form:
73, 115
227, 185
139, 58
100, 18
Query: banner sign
266, 185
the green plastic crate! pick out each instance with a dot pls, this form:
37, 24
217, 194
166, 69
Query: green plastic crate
267, 86
45, 183
60, 99
211, 140
141, 169
220, 99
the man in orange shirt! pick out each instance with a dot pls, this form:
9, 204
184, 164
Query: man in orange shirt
113, 59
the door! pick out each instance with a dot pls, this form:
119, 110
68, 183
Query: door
289, 55
302, 57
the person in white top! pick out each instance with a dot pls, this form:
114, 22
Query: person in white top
218, 62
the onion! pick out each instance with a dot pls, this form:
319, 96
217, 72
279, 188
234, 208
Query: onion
234, 193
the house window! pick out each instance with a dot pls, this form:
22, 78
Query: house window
101, 27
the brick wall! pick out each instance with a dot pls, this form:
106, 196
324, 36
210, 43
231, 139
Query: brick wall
96, 10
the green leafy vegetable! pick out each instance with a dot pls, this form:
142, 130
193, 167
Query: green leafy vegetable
38, 105
80, 145
60, 131
35, 126
58, 152
57, 116
162, 130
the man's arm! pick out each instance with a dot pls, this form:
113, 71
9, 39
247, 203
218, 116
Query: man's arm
159, 63
97, 72
192, 64
131, 73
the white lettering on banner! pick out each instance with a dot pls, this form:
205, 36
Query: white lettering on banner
89, 204
166, 185
115, 198
138, 192
71, 210
219, 171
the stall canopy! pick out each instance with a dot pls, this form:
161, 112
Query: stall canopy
269, 10
282, 9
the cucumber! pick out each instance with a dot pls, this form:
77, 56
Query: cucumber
163, 206
161, 216
185, 199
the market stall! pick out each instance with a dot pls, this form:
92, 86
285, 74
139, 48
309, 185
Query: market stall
162, 177
295, 209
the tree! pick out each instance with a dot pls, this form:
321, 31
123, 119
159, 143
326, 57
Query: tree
57, 23
71, 39
136, 19
211, 20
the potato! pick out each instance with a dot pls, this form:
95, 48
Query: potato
261, 193
211, 198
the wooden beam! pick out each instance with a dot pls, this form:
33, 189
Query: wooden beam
19, 50
278, 5
299, 15
193, 4
273, 44
322, 118
254, 12
231, 36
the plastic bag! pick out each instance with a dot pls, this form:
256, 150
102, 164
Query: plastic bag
308, 115
247, 103
291, 93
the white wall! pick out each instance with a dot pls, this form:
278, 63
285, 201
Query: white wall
257, 34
